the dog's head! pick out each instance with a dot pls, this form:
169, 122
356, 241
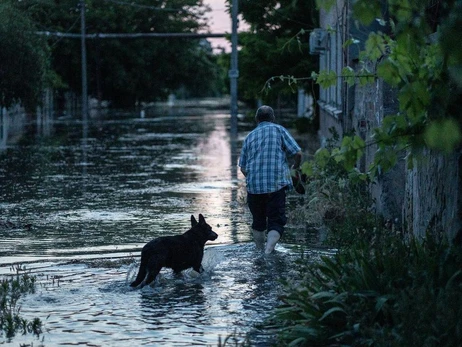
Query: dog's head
205, 229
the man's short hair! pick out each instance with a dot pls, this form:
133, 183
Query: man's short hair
264, 114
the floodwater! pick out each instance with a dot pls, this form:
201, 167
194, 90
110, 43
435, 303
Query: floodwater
76, 211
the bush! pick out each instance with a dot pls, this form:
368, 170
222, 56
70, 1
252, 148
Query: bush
334, 200
391, 294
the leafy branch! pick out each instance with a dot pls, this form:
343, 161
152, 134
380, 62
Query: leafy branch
291, 81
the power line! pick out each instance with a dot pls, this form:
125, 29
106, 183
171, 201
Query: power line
131, 36
133, 4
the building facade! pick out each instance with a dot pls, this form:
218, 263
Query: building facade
416, 200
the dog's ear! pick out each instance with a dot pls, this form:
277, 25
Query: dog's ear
193, 221
201, 219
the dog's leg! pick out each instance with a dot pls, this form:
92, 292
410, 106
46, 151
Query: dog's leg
198, 268
154, 267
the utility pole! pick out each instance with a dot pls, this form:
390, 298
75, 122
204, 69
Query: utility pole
234, 72
84, 70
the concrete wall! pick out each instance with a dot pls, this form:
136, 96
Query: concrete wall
423, 198
372, 103
432, 195
13, 121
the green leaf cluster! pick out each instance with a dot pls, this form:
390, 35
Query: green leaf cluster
367, 11
337, 161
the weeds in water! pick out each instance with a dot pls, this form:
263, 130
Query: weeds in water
234, 340
11, 290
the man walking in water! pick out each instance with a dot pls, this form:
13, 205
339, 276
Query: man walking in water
263, 162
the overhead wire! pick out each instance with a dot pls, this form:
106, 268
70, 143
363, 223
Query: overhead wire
148, 7
66, 33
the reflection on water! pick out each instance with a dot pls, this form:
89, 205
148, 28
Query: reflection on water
141, 178
78, 212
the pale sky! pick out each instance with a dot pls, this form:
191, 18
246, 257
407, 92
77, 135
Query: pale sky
220, 22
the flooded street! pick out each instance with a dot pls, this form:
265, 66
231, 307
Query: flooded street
76, 212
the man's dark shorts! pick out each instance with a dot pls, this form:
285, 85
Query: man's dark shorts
268, 210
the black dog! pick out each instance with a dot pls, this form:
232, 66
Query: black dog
178, 252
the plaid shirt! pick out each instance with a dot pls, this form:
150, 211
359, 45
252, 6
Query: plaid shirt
264, 158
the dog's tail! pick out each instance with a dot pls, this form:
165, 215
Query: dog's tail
141, 275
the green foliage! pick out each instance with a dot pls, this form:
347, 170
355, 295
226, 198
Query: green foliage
23, 59
337, 161
382, 292
11, 290
327, 79
325, 4
443, 135
450, 42
275, 45
367, 10
349, 75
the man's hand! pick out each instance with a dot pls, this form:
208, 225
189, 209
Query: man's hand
297, 160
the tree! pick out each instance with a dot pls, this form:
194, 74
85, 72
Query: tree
275, 44
23, 59
128, 70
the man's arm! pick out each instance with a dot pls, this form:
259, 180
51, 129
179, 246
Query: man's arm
297, 160
243, 171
